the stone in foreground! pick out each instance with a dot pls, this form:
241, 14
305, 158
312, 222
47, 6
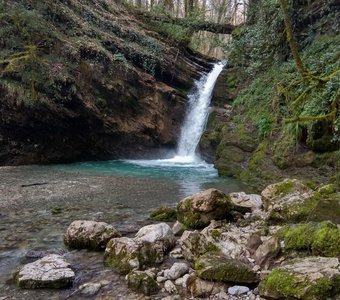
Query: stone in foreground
51, 271
93, 235
142, 282
198, 210
157, 234
311, 278
126, 254
218, 267
177, 270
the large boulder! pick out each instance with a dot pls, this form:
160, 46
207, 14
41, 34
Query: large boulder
126, 254
89, 235
198, 210
290, 200
146, 249
303, 278
218, 267
158, 234
229, 239
51, 271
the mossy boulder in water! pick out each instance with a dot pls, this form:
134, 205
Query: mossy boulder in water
198, 210
89, 235
165, 214
126, 254
218, 267
142, 282
146, 249
312, 278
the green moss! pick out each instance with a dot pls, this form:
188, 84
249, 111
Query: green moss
217, 267
166, 214
326, 241
317, 238
210, 247
282, 284
141, 282
216, 233
257, 157
327, 189
285, 187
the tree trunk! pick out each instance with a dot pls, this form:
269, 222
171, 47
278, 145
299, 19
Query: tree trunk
291, 38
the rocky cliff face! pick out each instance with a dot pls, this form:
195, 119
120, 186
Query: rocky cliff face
247, 134
87, 80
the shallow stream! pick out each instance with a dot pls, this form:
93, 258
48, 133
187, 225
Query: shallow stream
37, 203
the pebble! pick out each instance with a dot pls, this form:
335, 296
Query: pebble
170, 287
160, 279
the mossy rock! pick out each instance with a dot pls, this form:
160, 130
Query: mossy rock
198, 210
142, 282
296, 281
125, 254
164, 214
317, 238
218, 267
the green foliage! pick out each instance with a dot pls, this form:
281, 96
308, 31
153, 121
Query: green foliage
177, 33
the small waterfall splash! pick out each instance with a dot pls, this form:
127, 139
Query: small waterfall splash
195, 121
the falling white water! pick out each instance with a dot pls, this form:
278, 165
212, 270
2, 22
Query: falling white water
193, 127
199, 101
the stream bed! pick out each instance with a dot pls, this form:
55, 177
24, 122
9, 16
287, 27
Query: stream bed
37, 203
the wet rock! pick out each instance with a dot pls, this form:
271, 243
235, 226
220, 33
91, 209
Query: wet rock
218, 267
157, 234
303, 278
178, 228
142, 282
267, 252
51, 271
90, 289
170, 287
287, 201
238, 290
126, 254
200, 288
89, 235
177, 270
198, 210
165, 214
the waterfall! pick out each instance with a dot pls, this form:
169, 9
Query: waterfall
192, 129
198, 110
